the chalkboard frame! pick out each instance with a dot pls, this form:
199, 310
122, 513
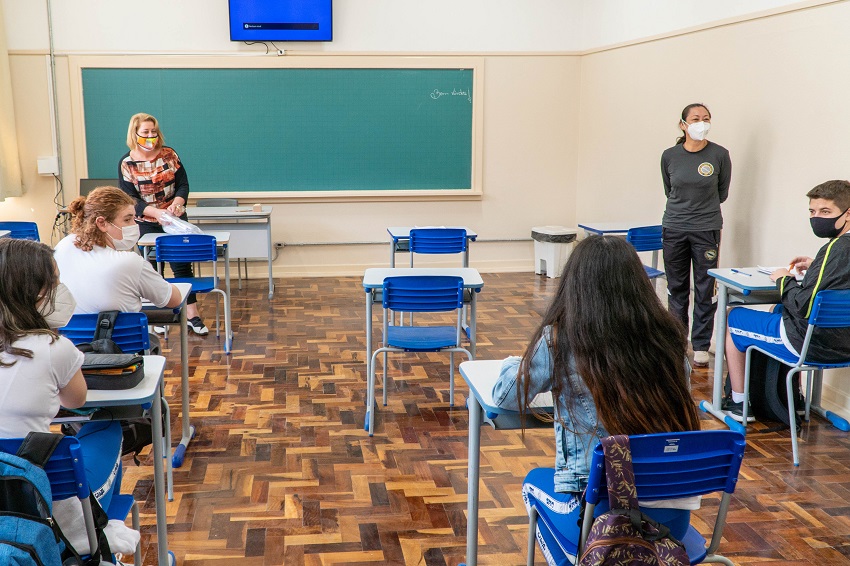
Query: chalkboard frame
313, 61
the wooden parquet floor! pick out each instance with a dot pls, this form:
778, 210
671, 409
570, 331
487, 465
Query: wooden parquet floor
282, 472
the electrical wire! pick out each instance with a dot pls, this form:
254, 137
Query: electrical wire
266, 45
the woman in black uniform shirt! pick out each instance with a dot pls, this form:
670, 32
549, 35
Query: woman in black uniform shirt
696, 174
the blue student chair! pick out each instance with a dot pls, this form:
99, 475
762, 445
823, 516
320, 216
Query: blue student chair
200, 248
21, 230
130, 331
437, 241
830, 309
422, 294
66, 473
667, 465
647, 239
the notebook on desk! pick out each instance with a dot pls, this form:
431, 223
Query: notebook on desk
768, 270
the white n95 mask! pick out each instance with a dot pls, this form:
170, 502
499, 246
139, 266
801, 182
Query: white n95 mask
698, 130
62, 308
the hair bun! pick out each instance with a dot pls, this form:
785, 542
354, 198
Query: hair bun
76, 206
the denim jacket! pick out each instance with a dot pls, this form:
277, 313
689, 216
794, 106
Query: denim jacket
576, 432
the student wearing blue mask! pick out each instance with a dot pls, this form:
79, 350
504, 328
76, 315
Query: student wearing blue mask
696, 175
784, 329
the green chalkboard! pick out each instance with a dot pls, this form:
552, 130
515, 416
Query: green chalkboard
266, 130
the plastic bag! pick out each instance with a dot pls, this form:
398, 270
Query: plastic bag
173, 225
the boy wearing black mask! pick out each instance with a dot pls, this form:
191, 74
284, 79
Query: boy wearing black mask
784, 330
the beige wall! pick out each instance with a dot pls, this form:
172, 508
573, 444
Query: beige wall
777, 88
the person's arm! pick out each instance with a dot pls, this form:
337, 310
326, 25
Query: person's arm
74, 394
796, 295
724, 177
540, 370
176, 298
665, 176
181, 184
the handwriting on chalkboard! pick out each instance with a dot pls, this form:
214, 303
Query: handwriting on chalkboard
437, 94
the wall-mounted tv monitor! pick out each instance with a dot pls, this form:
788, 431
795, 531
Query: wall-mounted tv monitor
281, 20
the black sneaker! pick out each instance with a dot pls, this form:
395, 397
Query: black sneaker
197, 326
736, 410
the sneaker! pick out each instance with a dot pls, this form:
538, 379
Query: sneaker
736, 410
197, 326
700, 359
159, 329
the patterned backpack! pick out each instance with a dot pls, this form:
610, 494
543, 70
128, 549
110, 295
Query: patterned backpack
624, 535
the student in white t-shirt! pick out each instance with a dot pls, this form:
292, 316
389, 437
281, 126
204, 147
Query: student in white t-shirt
39, 370
96, 261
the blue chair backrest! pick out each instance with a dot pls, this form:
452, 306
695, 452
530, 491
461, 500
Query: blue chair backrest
21, 230
645, 239
65, 469
130, 332
676, 464
423, 293
437, 240
831, 309
186, 248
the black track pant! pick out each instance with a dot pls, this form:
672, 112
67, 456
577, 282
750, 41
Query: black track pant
681, 250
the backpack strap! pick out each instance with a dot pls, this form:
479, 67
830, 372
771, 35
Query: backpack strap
622, 493
38, 447
105, 325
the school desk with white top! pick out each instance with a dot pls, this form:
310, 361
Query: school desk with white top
250, 230
4, 233
146, 393
400, 240
481, 376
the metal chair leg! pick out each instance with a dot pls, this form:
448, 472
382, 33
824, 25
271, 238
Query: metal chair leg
532, 534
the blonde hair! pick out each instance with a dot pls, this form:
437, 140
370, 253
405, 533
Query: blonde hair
103, 201
133, 128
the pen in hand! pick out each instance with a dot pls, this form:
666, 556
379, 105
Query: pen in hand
742, 272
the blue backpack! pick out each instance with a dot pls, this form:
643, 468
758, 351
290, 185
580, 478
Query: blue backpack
28, 534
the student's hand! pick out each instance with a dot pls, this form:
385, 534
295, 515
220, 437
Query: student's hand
780, 273
800, 263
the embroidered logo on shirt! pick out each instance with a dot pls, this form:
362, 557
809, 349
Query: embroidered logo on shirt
705, 169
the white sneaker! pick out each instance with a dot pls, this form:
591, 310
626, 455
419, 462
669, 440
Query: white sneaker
159, 329
701, 359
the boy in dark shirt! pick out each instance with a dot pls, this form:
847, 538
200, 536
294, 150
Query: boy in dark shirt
783, 331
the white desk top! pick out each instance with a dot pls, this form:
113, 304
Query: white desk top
482, 375
149, 239
614, 227
743, 278
4, 233
374, 277
144, 392
184, 288
228, 212
403, 232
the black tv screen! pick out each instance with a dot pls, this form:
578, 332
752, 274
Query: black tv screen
281, 20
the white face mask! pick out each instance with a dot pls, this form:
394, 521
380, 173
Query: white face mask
698, 130
129, 237
63, 308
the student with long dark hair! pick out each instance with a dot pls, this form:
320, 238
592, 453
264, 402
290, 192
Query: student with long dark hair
39, 370
615, 361
696, 175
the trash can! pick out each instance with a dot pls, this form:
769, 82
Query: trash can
552, 247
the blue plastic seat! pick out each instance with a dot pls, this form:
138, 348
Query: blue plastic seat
667, 465
66, 472
200, 248
420, 293
829, 309
130, 331
21, 230
647, 239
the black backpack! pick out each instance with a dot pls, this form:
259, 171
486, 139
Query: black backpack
768, 398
